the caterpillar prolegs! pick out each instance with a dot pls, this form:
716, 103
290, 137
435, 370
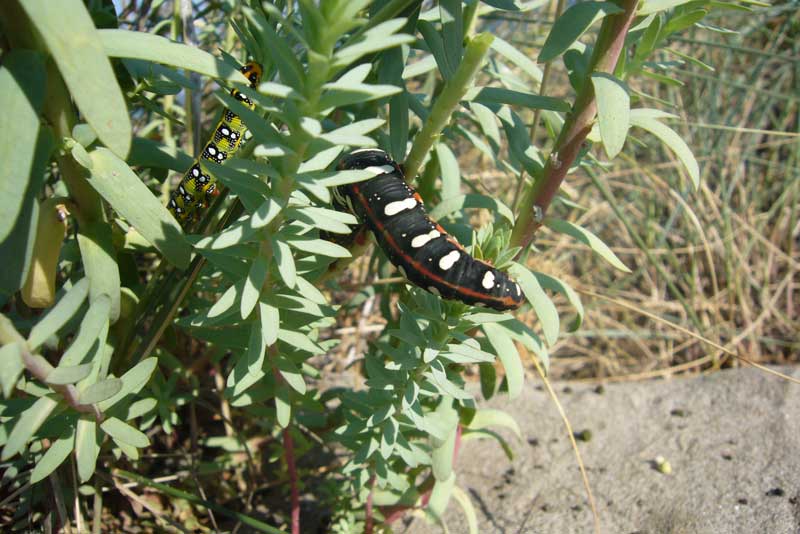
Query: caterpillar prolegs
198, 184
419, 247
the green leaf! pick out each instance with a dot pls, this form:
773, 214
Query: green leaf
17, 247
452, 31
256, 349
654, 6
29, 422
499, 95
121, 431
22, 86
63, 311
270, 322
100, 391
150, 47
299, 341
571, 25
340, 94
285, 261
55, 455
613, 111
487, 417
242, 231
469, 511
442, 456
128, 195
265, 213
11, 367
226, 302
542, 305
100, 263
252, 286
92, 326
451, 175
69, 374
509, 356
87, 448
320, 246
140, 408
488, 121
585, 236
150, 153
488, 377
440, 495
291, 374
379, 38
69, 33
519, 59
554, 284
132, 381
353, 133
323, 219
283, 408
464, 353
673, 141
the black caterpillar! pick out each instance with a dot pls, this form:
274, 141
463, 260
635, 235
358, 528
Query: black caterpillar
419, 247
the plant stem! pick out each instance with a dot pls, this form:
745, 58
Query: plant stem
578, 124
447, 101
288, 447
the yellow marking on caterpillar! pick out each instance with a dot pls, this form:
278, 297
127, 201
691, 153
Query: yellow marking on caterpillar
198, 184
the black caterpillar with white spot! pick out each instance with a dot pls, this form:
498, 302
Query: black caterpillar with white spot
419, 247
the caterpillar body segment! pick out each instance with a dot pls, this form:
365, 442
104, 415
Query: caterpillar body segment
198, 185
419, 247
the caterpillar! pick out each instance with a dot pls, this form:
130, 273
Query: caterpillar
419, 247
198, 184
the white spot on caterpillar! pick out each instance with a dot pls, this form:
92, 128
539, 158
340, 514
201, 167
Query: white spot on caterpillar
212, 150
488, 280
422, 239
224, 131
449, 259
393, 208
380, 169
434, 291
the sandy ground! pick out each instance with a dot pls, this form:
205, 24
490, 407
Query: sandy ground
732, 439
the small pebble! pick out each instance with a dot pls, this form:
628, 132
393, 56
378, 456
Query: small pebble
583, 435
775, 492
663, 465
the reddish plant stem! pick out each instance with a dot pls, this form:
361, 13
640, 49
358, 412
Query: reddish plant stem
368, 521
288, 447
578, 124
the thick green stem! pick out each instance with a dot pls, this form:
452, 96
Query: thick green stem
447, 101
577, 126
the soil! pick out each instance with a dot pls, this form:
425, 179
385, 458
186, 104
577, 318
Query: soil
732, 440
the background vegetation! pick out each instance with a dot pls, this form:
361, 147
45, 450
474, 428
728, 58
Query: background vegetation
206, 379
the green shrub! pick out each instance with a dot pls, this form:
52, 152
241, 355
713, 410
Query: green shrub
139, 309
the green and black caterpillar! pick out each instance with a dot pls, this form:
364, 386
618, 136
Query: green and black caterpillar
198, 184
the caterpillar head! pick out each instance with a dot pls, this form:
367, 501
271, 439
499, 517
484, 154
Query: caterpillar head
253, 72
